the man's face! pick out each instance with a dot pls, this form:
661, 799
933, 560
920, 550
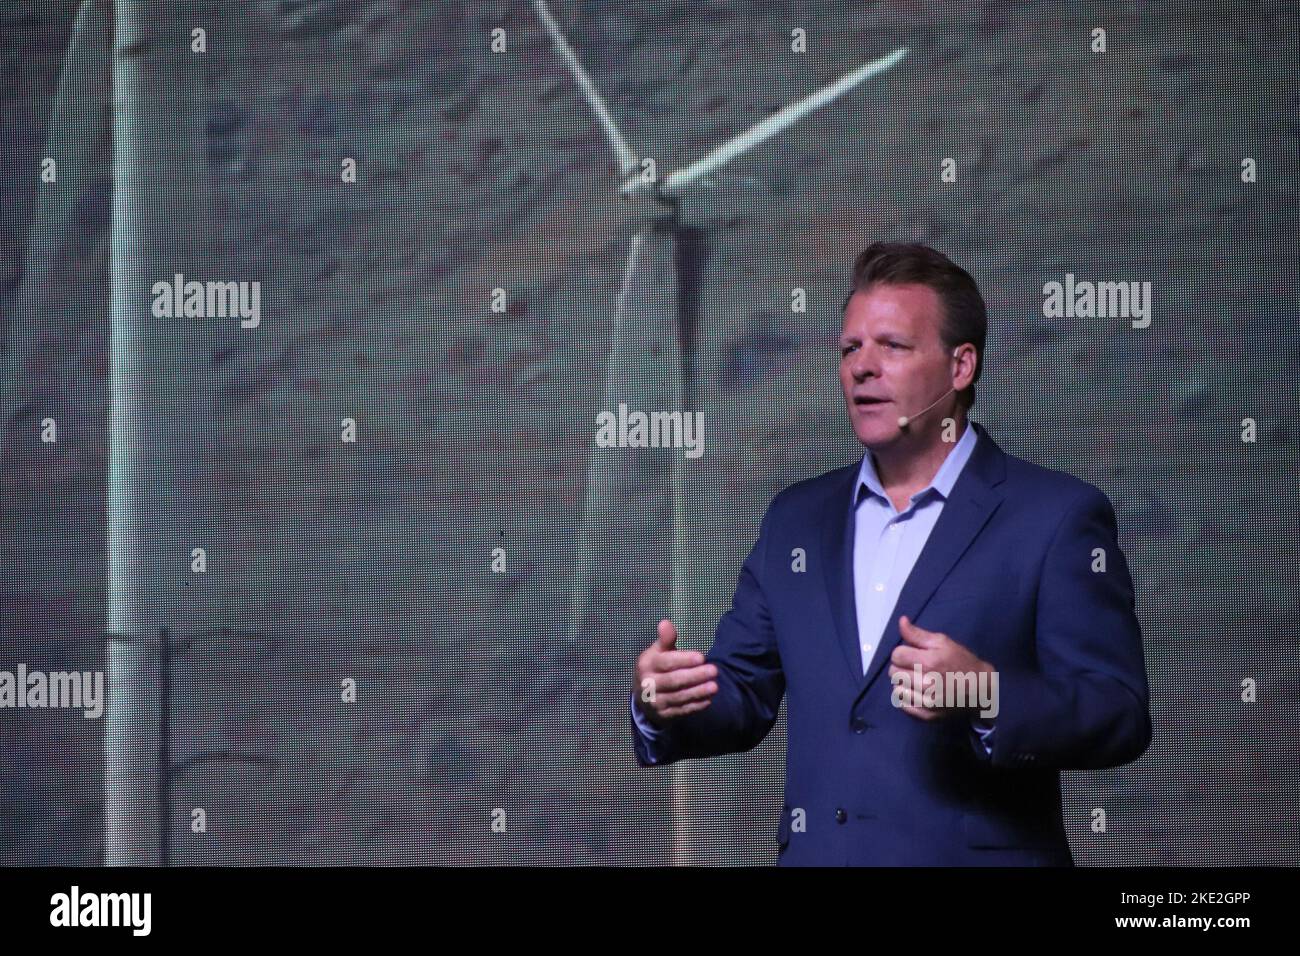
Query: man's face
890, 351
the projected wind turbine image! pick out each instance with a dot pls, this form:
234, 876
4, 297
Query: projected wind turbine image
651, 368
378, 378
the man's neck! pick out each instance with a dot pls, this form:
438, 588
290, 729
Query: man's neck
905, 468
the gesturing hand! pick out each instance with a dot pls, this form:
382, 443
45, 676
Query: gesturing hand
936, 654
670, 683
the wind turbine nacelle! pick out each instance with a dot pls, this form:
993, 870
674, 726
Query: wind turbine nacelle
635, 190
635, 185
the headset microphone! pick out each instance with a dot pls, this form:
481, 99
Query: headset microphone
905, 420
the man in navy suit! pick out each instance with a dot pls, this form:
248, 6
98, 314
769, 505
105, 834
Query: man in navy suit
992, 590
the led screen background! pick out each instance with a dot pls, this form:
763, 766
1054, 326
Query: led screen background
479, 167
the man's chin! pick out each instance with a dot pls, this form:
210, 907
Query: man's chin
878, 435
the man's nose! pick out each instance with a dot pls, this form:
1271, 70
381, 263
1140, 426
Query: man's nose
860, 366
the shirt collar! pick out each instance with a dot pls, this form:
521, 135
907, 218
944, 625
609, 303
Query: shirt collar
943, 479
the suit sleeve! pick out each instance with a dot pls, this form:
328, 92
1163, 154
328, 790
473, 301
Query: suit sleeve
1086, 703
750, 680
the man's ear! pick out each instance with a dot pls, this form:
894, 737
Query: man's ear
956, 355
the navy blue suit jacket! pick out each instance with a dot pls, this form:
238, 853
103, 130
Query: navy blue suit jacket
1007, 571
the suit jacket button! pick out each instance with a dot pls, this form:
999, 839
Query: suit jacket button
859, 725
841, 815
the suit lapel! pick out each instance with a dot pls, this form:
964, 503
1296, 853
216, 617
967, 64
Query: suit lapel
837, 564
973, 500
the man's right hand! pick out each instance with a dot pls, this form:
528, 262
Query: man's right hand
669, 683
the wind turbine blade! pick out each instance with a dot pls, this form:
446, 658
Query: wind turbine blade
628, 160
597, 490
43, 307
624, 585
788, 116
632, 549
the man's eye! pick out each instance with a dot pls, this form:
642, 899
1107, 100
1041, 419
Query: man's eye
845, 350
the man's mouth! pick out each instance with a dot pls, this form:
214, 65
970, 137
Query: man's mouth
866, 401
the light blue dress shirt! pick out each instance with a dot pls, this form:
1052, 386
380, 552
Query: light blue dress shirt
886, 544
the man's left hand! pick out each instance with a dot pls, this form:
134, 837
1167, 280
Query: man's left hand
934, 652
